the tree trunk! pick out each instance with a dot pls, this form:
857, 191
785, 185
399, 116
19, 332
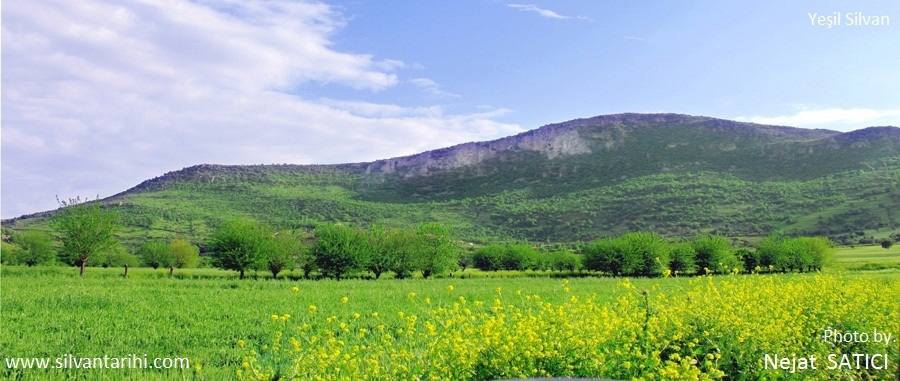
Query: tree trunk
83, 263
171, 271
126, 270
242, 274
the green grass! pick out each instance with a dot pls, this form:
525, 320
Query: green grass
867, 258
202, 313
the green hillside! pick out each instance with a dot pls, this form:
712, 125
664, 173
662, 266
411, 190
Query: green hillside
578, 180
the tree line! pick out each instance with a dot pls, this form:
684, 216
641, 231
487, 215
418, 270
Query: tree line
649, 254
87, 233
335, 250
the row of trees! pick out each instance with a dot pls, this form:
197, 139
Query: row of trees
648, 254
789, 254
520, 256
334, 249
179, 253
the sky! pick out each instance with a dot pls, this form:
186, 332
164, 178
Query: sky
98, 96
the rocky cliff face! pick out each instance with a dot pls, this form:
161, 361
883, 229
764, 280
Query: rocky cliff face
579, 136
552, 141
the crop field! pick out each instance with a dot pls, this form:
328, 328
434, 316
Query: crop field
481, 328
867, 258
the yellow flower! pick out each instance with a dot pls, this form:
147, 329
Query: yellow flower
374, 314
295, 289
274, 317
344, 300
240, 343
412, 294
450, 288
312, 308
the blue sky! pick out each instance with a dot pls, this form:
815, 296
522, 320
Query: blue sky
100, 95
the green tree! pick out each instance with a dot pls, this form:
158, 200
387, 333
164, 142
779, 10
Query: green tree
184, 254
9, 253
886, 244
815, 251
564, 260
283, 251
156, 254
772, 253
681, 258
605, 255
116, 256
382, 256
37, 247
402, 245
86, 229
338, 250
239, 245
489, 258
436, 253
713, 253
519, 257
648, 251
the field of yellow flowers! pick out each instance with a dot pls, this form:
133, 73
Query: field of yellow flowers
756, 327
752, 327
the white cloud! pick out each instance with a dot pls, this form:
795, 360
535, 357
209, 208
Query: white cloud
545, 12
838, 118
533, 8
432, 88
98, 96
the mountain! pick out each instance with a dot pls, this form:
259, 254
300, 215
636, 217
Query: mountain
577, 180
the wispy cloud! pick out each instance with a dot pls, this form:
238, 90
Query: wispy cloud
432, 88
841, 118
98, 95
544, 12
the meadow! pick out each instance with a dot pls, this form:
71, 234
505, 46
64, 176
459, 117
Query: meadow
481, 327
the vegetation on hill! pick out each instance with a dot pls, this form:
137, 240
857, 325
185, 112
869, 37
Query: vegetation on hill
575, 181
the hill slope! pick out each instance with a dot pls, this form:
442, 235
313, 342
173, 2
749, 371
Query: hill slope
576, 180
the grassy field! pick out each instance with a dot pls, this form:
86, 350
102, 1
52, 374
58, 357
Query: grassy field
867, 258
223, 325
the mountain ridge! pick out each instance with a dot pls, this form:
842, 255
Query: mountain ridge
563, 181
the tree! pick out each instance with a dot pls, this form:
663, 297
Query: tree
184, 254
85, 229
338, 250
604, 255
681, 258
382, 258
713, 253
282, 251
238, 245
156, 254
9, 253
435, 249
489, 258
116, 256
401, 245
887, 244
37, 247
